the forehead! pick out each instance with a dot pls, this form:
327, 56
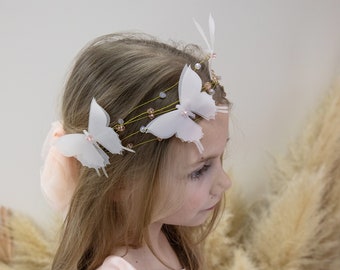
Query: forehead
215, 135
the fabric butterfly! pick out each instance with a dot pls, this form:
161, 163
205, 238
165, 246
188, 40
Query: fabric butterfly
85, 147
191, 101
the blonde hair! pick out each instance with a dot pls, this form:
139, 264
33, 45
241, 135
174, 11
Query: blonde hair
122, 71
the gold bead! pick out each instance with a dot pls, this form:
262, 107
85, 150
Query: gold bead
150, 112
207, 86
120, 128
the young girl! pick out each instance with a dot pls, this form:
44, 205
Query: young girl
146, 127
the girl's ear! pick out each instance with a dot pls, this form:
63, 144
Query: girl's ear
59, 175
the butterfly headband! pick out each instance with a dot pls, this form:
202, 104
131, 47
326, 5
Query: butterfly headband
176, 119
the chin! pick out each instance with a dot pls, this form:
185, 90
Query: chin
197, 221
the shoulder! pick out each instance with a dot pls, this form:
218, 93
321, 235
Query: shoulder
115, 263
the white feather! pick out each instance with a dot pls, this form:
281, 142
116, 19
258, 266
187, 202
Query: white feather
211, 44
212, 32
200, 30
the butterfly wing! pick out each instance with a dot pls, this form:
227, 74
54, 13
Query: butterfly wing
110, 140
188, 130
165, 125
99, 120
191, 96
98, 117
189, 85
174, 123
204, 106
76, 145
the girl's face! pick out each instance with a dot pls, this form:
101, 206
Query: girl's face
205, 179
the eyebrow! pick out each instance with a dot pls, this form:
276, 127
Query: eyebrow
203, 158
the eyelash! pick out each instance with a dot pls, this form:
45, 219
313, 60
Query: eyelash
196, 175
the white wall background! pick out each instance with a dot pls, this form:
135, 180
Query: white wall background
276, 58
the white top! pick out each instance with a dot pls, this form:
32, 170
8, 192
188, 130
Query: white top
116, 263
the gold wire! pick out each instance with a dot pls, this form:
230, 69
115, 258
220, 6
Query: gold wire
155, 98
139, 144
130, 135
162, 110
138, 117
157, 112
141, 115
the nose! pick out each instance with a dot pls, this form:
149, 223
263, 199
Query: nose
221, 184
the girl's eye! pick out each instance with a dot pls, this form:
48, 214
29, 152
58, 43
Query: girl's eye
199, 173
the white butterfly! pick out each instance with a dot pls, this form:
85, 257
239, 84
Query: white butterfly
85, 147
180, 122
210, 45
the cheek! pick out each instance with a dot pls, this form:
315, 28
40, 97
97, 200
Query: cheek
191, 205
197, 196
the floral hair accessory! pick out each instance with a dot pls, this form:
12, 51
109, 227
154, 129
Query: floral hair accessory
85, 147
191, 101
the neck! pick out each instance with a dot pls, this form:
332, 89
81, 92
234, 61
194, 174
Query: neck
157, 255
156, 235
161, 246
